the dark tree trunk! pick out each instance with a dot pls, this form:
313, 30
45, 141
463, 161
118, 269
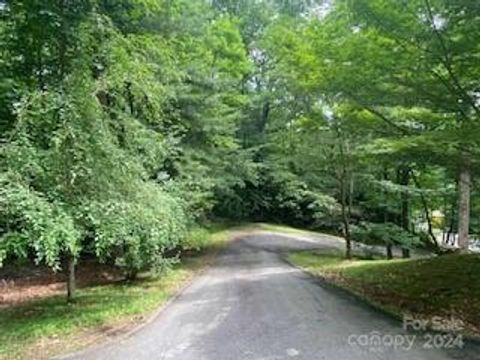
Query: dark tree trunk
451, 227
426, 211
350, 195
345, 217
344, 175
389, 246
264, 117
389, 252
70, 278
131, 275
404, 175
130, 98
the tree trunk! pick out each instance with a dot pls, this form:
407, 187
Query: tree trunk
451, 227
131, 275
264, 117
345, 218
348, 240
343, 176
426, 211
405, 205
388, 246
71, 278
389, 252
130, 98
464, 188
350, 195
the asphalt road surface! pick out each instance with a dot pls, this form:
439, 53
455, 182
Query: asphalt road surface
254, 305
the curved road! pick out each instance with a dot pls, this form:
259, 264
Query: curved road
254, 305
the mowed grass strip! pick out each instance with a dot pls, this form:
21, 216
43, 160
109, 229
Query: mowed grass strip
51, 326
445, 286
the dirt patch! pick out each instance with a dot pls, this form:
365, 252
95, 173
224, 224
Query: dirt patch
26, 283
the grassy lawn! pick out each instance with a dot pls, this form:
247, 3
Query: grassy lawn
445, 286
42, 328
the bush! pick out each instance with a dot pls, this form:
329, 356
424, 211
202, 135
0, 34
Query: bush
137, 234
385, 234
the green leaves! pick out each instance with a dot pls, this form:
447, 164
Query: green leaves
123, 127
227, 51
385, 233
31, 223
128, 121
136, 234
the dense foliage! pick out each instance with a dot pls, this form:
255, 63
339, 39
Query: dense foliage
124, 124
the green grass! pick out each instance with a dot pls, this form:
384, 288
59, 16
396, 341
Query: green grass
443, 286
44, 327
